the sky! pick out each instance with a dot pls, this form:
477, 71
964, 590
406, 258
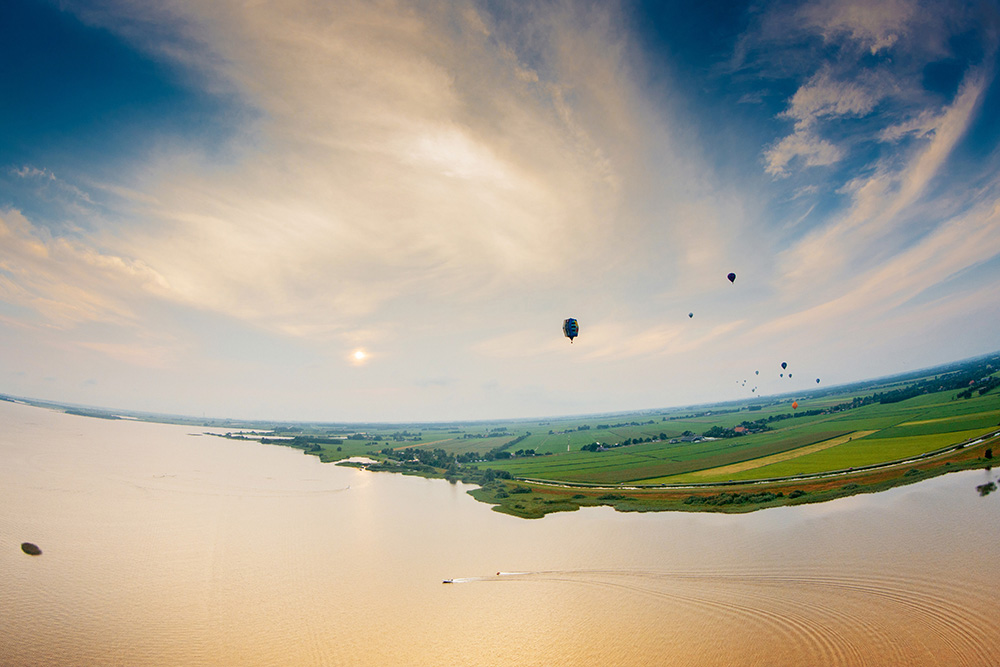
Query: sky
384, 211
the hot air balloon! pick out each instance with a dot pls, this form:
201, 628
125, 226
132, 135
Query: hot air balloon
817, 380
690, 314
789, 375
756, 372
781, 375
571, 328
732, 277
784, 365
795, 405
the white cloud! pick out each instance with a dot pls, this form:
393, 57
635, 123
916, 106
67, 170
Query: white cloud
33, 172
822, 97
68, 282
825, 96
881, 202
49, 182
399, 159
956, 245
918, 126
875, 26
813, 151
847, 82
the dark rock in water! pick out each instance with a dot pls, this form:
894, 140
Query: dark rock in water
30, 549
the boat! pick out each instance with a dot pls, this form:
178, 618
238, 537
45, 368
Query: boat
30, 549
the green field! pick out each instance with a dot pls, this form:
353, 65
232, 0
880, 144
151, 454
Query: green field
863, 452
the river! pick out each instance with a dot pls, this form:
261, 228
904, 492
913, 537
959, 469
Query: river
162, 546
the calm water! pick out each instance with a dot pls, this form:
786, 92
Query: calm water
165, 548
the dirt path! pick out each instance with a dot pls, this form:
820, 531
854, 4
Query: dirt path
776, 458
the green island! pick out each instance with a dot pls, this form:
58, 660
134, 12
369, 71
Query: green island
737, 456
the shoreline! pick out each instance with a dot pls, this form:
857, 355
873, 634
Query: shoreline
533, 499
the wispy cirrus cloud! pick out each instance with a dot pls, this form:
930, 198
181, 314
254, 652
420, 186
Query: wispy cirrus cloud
874, 70
27, 171
48, 181
397, 161
381, 163
963, 242
873, 27
822, 97
881, 203
68, 282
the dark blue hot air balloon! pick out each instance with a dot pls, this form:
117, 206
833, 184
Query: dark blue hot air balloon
571, 328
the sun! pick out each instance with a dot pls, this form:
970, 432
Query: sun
359, 356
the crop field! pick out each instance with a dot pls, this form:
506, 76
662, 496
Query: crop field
755, 468
800, 443
852, 454
640, 463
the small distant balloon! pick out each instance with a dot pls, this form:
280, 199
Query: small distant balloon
690, 314
817, 380
732, 277
784, 365
795, 405
571, 328
756, 372
781, 375
789, 375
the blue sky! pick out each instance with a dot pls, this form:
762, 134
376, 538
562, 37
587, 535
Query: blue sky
336, 211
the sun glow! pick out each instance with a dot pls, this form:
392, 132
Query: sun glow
359, 356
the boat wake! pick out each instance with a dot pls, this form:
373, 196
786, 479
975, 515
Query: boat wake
828, 618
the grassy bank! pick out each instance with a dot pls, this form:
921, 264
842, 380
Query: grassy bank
533, 500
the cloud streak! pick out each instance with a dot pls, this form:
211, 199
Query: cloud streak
380, 166
68, 283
